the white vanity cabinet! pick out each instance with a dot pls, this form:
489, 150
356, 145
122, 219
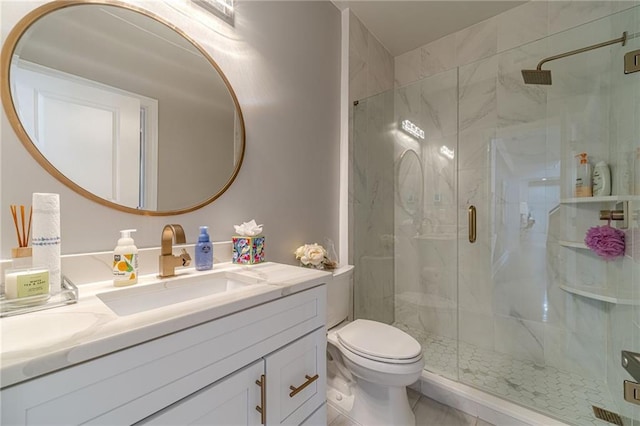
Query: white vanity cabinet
215, 373
283, 388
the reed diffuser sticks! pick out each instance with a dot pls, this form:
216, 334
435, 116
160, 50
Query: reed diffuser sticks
23, 237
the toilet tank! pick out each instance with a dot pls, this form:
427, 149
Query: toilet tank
339, 295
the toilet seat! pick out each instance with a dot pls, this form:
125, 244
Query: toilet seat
379, 342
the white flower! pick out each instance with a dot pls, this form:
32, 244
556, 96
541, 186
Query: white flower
300, 252
314, 254
311, 254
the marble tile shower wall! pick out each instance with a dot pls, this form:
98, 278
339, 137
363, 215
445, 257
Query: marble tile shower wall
371, 198
500, 120
529, 22
370, 64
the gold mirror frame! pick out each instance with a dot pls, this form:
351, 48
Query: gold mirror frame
7, 101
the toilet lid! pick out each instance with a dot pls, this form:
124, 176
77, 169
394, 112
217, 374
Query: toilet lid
379, 341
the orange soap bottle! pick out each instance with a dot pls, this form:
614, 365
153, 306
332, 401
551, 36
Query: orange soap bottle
125, 260
583, 176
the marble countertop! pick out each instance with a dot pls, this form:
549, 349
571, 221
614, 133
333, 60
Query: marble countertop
37, 343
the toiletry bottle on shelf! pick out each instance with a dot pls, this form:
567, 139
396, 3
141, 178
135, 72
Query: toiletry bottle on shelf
583, 176
204, 251
601, 180
125, 260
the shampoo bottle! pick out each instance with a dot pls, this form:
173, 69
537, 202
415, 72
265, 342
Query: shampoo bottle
583, 176
601, 180
204, 251
125, 260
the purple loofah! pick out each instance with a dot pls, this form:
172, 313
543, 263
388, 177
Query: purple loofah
605, 241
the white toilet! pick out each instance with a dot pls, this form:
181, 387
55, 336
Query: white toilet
370, 364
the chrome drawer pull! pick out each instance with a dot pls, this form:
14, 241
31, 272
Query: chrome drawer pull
295, 390
261, 408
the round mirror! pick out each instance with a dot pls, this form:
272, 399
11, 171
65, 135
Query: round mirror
410, 182
122, 107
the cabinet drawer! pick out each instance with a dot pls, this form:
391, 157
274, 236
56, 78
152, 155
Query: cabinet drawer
296, 379
230, 401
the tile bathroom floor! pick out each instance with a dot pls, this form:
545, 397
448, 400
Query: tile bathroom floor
427, 411
564, 395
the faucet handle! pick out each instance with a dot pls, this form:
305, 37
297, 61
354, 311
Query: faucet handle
186, 258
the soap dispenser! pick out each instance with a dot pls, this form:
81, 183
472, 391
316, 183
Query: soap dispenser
125, 260
204, 251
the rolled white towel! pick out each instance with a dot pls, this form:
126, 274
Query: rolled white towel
45, 236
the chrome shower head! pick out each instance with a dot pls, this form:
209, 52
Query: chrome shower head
536, 77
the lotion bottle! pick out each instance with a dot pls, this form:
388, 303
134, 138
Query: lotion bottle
125, 260
583, 176
204, 251
601, 180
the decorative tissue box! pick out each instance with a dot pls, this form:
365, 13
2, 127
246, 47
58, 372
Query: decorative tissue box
248, 250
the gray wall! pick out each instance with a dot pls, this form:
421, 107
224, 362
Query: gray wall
283, 61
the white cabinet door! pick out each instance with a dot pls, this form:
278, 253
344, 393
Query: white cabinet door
231, 402
296, 379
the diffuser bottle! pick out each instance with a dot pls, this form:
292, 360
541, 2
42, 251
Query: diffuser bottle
583, 176
601, 180
125, 260
204, 250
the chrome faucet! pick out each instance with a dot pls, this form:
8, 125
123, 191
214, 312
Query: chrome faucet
168, 261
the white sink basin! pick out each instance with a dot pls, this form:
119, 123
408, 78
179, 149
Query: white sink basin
169, 291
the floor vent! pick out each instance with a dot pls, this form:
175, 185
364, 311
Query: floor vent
607, 416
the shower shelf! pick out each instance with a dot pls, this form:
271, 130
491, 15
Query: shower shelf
605, 295
574, 244
606, 199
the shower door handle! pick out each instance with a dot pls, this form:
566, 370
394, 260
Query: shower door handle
472, 224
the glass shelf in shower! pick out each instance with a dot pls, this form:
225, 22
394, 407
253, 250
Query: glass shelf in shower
605, 294
573, 244
605, 199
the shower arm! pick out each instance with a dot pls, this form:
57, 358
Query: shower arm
622, 40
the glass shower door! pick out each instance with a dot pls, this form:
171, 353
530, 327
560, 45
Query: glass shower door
372, 207
537, 309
